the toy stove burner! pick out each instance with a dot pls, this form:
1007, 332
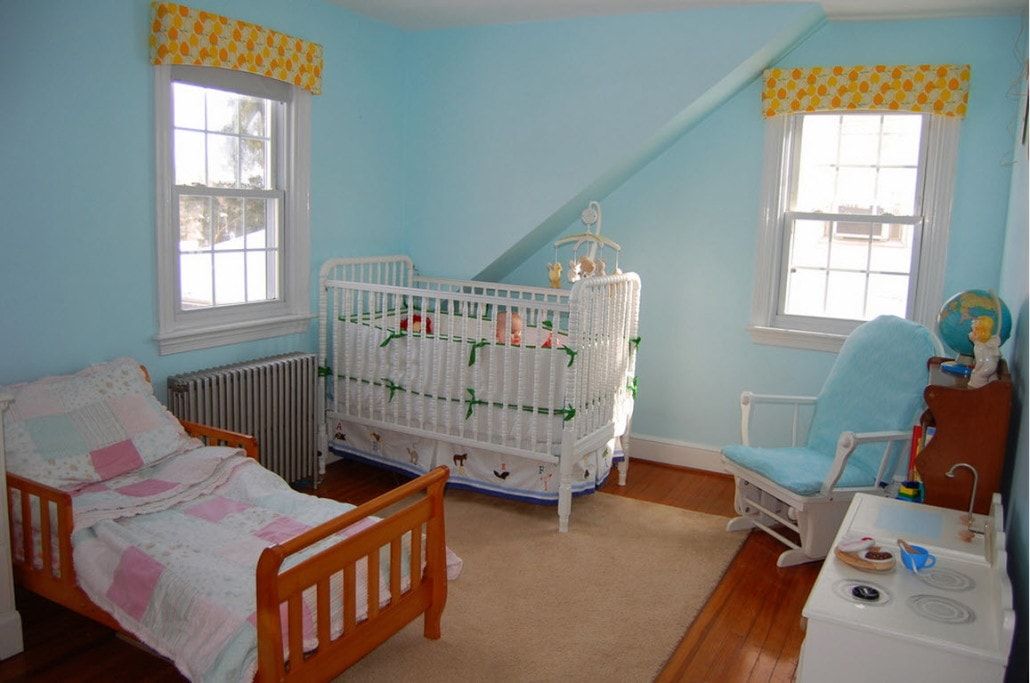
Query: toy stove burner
940, 609
853, 590
945, 579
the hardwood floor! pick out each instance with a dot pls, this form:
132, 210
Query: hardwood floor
749, 630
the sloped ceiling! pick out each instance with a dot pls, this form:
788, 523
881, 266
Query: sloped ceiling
511, 129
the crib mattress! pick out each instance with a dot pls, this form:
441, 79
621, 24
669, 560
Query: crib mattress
461, 354
482, 421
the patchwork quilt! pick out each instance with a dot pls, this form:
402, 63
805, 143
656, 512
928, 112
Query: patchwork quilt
170, 551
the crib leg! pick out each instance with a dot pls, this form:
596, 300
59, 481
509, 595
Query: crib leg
623, 469
564, 505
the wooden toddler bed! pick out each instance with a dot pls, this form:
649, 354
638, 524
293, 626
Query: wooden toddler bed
42, 520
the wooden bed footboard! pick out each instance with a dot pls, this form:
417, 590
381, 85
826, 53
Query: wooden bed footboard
426, 592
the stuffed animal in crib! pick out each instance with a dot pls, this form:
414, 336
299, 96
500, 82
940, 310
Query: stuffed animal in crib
502, 328
554, 274
417, 324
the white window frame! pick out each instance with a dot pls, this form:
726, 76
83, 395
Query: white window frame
930, 240
186, 330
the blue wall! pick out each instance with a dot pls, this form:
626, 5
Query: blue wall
77, 245
455, 144
688, 224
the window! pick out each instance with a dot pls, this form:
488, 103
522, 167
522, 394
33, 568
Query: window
855, 223
232, 168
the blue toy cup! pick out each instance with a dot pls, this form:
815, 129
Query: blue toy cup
920, 558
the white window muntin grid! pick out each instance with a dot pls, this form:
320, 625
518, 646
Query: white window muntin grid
788, 217
275, 165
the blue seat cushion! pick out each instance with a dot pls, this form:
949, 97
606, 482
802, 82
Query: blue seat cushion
801, 470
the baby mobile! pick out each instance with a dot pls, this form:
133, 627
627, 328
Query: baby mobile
588, 264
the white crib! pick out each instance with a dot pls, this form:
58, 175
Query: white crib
420, 371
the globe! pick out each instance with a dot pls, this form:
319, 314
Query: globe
955, 319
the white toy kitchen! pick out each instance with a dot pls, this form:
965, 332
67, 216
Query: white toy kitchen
949, 621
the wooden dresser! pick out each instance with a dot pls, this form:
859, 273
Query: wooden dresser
10, 621
972, 426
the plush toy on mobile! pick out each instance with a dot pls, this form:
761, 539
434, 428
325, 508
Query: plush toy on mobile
589, 264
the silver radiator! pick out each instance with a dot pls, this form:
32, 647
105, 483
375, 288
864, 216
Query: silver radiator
271, 398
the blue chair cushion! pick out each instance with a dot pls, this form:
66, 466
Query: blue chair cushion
802, 470
876, 385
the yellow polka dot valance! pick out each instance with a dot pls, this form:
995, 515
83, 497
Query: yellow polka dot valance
941, 89
183, 35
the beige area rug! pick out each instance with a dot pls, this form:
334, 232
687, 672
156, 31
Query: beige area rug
608, 601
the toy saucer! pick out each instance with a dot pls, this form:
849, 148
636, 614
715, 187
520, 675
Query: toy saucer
871, 559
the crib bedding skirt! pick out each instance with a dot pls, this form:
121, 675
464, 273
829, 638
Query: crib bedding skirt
473, 468
460, 354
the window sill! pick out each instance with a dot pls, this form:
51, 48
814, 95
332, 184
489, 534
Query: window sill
796, 339
233, 333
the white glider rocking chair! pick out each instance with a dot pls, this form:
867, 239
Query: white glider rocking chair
867, 406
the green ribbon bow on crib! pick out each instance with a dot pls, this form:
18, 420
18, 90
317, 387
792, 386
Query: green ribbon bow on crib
568, 412
572, 355
394, 388
476, 345
547, 325
634, 343
325, 371
393, 335
472, 402
631, 387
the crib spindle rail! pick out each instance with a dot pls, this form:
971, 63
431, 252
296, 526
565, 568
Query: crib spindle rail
426, 591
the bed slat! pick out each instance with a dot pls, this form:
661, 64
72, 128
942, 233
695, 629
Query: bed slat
26, 530
323, 612
45, 538
415, 568
373, 583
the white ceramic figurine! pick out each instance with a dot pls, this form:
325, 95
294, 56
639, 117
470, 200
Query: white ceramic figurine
986, 351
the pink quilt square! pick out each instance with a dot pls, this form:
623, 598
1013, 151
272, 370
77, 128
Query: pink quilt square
118, 458
135, 413
147, 487
134, 581
216, 508
283, 528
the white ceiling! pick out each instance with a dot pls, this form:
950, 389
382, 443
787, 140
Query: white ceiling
423, 14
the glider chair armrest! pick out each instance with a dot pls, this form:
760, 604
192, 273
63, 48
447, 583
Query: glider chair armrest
846, 445
748, 398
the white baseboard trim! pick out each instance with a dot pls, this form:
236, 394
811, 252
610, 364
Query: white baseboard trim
674, 452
